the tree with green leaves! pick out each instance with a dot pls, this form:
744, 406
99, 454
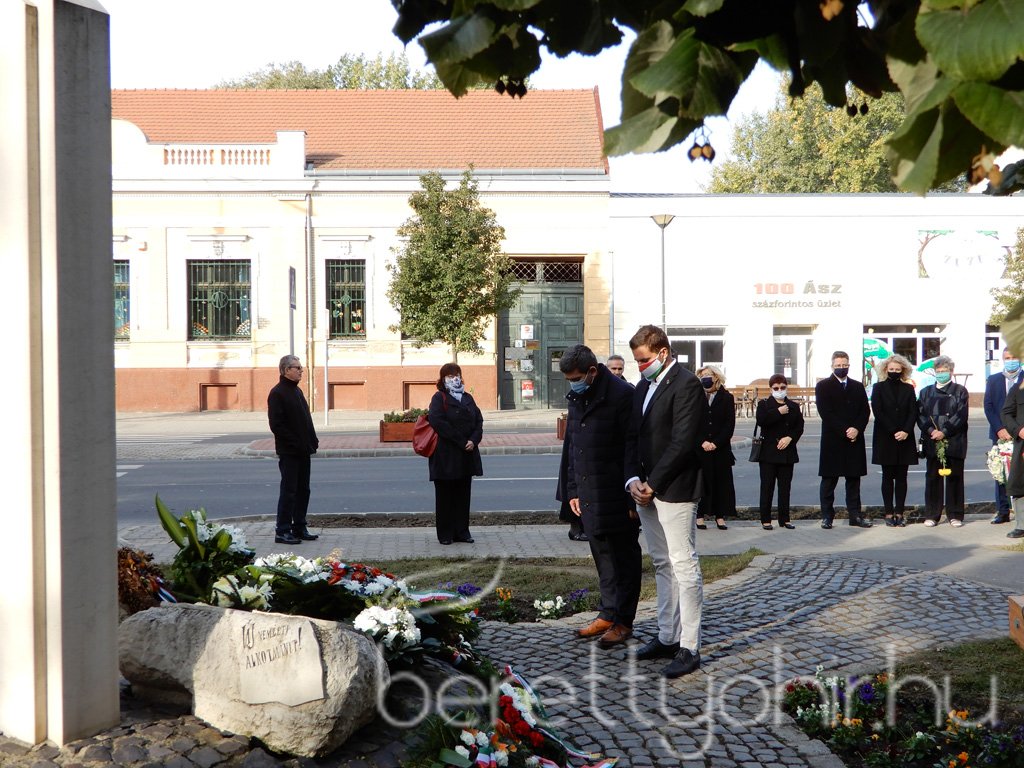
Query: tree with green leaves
805, 145
350, 72
958, 65
450, 277
1012, 292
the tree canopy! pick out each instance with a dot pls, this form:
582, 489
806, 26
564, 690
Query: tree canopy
350, 72
956, 63
450, 277
806, 145
1006, 296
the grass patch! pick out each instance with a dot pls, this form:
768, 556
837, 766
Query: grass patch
530, 578
970, 667
1018, 547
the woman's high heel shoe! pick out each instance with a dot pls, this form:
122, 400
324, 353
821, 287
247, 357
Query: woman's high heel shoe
702, 526
720, 525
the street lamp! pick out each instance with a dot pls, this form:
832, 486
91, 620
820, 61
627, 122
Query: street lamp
663, 220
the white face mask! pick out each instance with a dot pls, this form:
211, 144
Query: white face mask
779, 394
453, 382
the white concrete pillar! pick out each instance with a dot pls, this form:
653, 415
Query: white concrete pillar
58, 605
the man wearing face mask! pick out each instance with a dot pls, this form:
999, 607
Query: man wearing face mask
842, 404
593, 465
996, 388
663, 476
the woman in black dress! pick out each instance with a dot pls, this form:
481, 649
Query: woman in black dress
781, 425
894, 405
716, 457
459, 425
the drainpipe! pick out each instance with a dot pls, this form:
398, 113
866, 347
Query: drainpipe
310, 348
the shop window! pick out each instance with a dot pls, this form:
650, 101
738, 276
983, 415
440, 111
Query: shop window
346, 298
219, 301
122, 299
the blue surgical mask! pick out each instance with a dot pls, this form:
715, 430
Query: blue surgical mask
579, 387
943, 377
1011, 366
779, 394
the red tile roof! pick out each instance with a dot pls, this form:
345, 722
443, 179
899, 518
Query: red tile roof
349, 129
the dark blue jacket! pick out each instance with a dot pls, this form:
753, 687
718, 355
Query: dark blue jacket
595, 453
995, 398
455, 422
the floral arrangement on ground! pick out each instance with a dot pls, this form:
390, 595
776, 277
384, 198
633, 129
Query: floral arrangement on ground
867, 724
215, 565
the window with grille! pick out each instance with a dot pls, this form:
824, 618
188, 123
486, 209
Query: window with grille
533, 271
346, 298
219, 299
122, 318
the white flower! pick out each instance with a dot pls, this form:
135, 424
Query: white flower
532, 761
501, 758
507, 689
467, 738
462, 751
373, 588
481, 739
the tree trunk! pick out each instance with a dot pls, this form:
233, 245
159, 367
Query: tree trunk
455, 353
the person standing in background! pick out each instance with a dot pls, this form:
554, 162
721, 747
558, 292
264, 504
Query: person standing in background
716, 456
892, 443
997, 387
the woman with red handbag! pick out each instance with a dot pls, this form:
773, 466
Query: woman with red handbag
456, 460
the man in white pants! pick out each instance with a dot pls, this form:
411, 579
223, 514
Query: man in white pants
663, 471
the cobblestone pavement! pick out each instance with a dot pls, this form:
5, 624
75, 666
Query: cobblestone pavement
779, 618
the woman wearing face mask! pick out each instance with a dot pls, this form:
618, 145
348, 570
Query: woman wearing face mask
942, 416
716, 457
459, 426
892, 444
781, 425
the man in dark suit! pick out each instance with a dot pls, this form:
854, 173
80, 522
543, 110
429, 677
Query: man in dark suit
594, 451
295, 441
996, 387
664, 478
843, 406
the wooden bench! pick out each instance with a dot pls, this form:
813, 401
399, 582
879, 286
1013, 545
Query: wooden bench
803, 396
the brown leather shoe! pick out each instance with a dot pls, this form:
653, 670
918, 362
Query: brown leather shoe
617, 635
594, 629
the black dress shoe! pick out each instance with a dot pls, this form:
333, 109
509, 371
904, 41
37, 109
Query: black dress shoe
657, 650
467, 540
890, 522
684, 663
827, 525
861, 524
1000, 519
578, 536
446, 542
287, 538
1016, 533
790, 526
305, 535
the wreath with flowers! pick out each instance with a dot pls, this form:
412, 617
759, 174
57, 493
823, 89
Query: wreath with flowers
998, 460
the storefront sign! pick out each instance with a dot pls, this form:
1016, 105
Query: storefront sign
812, 294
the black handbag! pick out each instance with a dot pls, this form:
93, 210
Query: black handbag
755, 446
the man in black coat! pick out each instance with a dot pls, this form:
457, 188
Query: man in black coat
996, 388
295, 441
594, 460
843, 406
663, 476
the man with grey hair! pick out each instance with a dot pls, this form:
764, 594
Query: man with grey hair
617, 365
295, 441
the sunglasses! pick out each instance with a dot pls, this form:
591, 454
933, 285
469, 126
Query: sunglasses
779, 389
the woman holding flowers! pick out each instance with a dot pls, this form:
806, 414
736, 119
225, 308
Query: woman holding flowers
942, 416
893, 445
1013, 422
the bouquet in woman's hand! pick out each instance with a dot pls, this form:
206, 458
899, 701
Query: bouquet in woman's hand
998, 460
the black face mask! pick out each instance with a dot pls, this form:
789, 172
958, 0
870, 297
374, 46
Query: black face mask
707, 382
895, 378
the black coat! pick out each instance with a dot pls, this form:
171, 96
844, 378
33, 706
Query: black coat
455, 422
1013, 419
841, 408
945, 409
664, 441
775, 426
717, 427
595, 454
895, 409
290, 420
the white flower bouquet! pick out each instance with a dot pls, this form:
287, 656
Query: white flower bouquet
394, 628
998, 460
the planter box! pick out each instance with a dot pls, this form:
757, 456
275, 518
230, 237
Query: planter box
396, 431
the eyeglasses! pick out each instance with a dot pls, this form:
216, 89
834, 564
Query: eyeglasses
295, 368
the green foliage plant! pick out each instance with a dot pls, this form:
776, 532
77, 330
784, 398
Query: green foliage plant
397, 417
1007, 295
957, 64
450, 278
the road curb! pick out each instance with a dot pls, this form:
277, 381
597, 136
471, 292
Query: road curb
372, 453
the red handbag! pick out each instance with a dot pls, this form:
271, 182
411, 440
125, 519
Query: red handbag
424, 438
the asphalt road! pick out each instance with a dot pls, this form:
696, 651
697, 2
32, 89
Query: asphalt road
234, 487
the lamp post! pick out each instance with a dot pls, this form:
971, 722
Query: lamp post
663, 220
